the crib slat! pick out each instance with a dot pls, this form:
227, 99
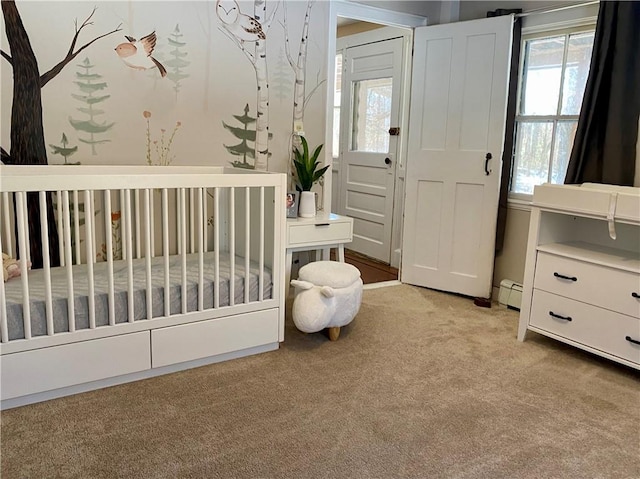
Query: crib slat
46, 261
216, 247
205, 219
93, 224
123, 226
61, 237
232, 246
88, 215
4, 330
165, 251
129, 241
261, 259
147, 252
200, 252
23, 222
136, 203
152, 225
7, 224
108, 227
69, 261
76, 225
178, 209
183, 234
247, 244
192, 236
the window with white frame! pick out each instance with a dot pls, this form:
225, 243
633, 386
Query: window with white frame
553, 74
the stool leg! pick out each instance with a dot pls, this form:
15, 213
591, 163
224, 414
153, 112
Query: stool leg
334, 333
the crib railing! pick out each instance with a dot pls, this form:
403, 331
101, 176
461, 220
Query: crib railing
113, 214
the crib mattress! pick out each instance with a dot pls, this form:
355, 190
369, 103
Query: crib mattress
14, 300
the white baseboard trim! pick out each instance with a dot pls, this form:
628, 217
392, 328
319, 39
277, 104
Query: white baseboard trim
382, 284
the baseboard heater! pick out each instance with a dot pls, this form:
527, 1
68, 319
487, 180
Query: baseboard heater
510, 294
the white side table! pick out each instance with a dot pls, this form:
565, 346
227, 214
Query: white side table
320, 233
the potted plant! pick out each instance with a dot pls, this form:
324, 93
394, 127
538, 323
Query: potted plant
308, 174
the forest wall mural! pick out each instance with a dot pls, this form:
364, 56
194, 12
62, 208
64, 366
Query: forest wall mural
216, 82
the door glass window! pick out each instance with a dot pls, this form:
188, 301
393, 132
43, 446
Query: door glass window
371, 115
337, 94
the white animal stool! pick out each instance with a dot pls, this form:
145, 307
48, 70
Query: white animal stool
328, 295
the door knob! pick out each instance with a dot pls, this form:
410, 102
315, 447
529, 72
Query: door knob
387, 161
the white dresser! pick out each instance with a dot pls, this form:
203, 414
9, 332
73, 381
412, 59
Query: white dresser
582, 273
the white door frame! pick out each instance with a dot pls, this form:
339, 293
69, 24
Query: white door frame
340, 8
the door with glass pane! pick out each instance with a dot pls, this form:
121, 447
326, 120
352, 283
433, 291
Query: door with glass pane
371, 86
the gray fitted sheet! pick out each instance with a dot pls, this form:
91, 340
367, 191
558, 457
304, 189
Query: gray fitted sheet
13, 291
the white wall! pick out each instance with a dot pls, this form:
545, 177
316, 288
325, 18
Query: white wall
220, 80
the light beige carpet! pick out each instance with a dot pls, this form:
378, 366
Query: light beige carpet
422, 384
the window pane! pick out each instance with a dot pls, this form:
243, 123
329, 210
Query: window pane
337, 97
336, 132
371, 115
565, 133
575, 76
541, 76
533, 150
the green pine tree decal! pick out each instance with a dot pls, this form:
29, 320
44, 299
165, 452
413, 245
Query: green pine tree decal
64, 151
242, 149
178, 62
245, 135
89, 85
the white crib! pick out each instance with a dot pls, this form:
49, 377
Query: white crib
161, 269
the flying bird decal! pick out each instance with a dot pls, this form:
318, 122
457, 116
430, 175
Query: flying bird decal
137, 54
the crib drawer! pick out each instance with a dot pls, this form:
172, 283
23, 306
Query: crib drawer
56, 367
203, 339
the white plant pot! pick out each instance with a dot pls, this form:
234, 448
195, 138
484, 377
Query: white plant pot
307, 207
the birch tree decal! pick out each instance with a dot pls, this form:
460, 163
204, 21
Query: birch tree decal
27, 132
89, 85
299, 67
247, 31
177, 62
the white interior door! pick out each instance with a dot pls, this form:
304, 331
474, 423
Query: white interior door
457, 117
372, 81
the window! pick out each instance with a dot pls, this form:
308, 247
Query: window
554, 72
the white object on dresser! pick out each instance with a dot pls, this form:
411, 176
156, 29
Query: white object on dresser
321, 232
582, 273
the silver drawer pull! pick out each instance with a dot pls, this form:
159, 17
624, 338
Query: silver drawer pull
562, 276
323, 224
631, 340
557, 316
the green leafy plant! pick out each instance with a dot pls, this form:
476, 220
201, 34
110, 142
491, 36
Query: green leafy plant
307, 166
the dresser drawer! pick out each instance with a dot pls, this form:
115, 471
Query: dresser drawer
591, 283
589, 325
318, 234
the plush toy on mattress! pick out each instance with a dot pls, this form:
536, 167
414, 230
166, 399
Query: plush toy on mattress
11, 267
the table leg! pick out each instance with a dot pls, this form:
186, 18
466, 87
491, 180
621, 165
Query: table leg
287, 274
341, 252
326, 254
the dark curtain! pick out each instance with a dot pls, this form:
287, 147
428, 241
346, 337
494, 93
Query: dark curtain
509, 135
604, 149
